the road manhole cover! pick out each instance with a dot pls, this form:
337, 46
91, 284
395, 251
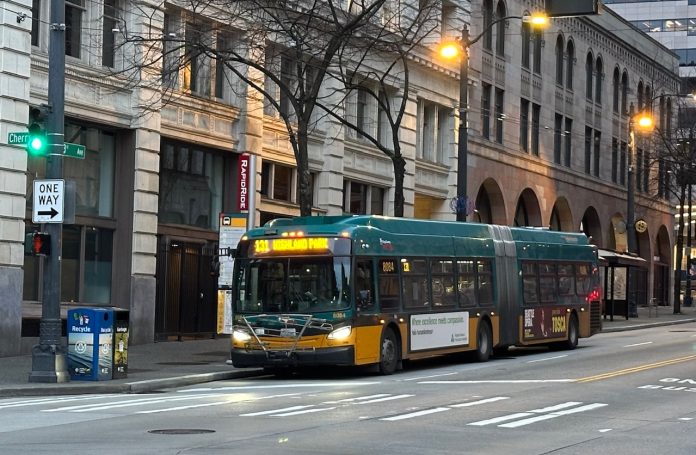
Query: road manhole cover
181, 431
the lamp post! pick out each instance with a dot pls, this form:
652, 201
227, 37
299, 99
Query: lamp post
452, 50
645, 123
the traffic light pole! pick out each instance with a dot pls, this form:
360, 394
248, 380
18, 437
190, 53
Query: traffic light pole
49, 356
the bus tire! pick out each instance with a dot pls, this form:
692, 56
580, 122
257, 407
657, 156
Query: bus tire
388, 352
484, 342
573, 333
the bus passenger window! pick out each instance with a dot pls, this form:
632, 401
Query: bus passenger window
364, 289
466, 283
388, 285
442, 277
414, 274
484, 278
530, 280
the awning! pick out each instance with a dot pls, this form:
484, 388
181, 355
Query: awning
614, 258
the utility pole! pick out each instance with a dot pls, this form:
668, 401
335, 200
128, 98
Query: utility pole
49, 356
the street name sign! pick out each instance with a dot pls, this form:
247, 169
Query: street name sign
49, 198
74, 150
18, 138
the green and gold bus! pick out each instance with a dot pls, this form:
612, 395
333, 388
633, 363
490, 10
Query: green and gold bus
360, 290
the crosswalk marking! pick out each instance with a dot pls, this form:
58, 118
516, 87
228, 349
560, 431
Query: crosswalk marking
415, 414
547, 413
275, 411
304, 411
40, 401
552, 415
379, 400
124, 404
476, 403
349, 400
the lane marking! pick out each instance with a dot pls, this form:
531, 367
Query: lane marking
475, 403
605, 430
502, 381
428, 377
415, 414
548, 358
552, 415
638, 344
567, 404
36, 402
279, 386
350, 400
686, 418
649, 366
216, 403
123, 404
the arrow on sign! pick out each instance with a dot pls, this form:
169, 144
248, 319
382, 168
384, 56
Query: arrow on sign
53, 212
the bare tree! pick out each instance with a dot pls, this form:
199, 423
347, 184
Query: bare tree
281, 49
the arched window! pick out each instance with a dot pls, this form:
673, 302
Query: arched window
668, 119
571, 62
615, 89
640, 96
663, 112
500, 30
598, 81
537, 51
559, 60
526, 43
647, 101
487, 20
589, 69
624, 93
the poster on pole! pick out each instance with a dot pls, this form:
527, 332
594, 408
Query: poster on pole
232, 228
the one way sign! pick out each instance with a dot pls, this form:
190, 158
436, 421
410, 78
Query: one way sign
49, 197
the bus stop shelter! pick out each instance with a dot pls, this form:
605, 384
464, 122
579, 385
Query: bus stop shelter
624, 283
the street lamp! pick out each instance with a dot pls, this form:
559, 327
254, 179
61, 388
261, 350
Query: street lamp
645, 123
461, 48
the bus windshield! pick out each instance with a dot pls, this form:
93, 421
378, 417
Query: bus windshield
297, 284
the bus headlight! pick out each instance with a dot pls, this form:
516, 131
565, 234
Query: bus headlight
241, 336
340, 334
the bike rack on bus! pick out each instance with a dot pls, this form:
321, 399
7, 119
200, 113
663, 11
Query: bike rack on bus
283, 326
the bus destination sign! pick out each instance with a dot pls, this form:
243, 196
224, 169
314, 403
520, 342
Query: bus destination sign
292, 245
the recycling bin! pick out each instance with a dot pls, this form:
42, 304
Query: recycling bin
120, 345
90, 339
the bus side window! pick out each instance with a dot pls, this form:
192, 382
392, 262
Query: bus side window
364, 286
530, 280
388, 285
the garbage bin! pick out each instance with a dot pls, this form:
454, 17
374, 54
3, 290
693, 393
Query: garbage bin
90, 337
121, 329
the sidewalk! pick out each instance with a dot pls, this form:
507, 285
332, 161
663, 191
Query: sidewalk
156, 366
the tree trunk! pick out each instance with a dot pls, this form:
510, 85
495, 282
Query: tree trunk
302, 158
399, 171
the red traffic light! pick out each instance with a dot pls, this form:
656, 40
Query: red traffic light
37, 243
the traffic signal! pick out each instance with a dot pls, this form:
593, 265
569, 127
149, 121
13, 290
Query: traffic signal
37, 243
37, 143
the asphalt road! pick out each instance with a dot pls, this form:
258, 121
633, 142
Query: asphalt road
619, 393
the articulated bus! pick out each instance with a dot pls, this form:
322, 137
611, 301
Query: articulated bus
361, 290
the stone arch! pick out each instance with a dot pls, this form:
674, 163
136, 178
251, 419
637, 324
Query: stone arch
591, 225
561, 216
490, 204
527, 211
617, 235
662, 260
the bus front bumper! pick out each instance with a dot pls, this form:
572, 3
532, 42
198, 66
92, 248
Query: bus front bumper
339, 356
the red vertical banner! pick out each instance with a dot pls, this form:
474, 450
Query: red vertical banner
244, 182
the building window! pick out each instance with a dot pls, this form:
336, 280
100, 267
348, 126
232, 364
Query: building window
589, 69
536, 117
571, 62
196, 64
662, 179
622, 164
598, 81
35, 21
557, 127
624, 93
499, 115
500, 30
568, 133
639, 170
526, 43
486, 110
524, 124
487, 24
277, 181
538, 38
362, 199
191, 185
73, 27
588, 150
429, 139
444, 134
110, 23
597, 143
615, 91
614, 160
559, 60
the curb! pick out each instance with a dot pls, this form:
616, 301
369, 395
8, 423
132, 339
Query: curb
648, 325
137, 387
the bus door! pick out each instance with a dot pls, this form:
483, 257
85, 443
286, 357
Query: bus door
366, 307
506, 277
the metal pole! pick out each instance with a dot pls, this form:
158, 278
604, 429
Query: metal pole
48, 357
687, 295
630, 187
462, 146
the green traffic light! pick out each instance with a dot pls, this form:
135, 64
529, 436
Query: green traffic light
37, 145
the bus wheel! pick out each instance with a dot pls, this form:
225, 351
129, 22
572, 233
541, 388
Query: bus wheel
484, 342
389, 353
573, 333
